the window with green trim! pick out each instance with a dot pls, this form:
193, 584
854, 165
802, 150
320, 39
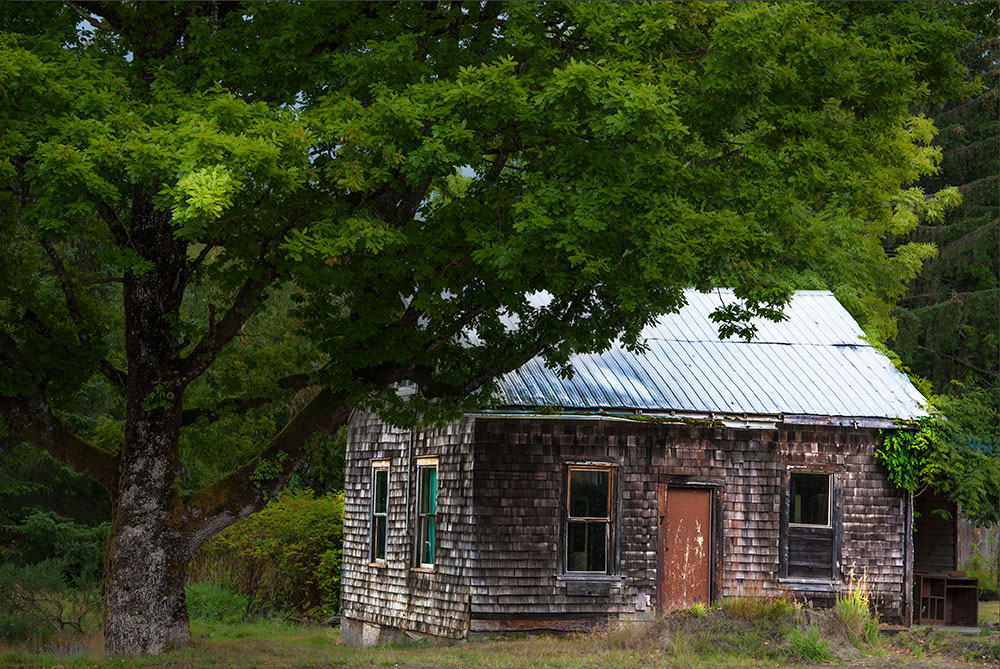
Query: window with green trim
426, 513
380, 509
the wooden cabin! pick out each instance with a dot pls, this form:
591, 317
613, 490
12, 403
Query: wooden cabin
697, 470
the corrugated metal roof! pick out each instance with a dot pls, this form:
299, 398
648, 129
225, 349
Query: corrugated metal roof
812, 363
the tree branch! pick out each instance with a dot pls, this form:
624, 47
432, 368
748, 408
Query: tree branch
241, 405
28, 415
92, 20
248, 488
964, 363
109, 371
221, 333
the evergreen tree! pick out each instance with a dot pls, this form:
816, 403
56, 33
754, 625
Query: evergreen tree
948, 319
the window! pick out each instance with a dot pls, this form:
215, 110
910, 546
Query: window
380, 509
588, 519
809, 526
810, 499
426, 511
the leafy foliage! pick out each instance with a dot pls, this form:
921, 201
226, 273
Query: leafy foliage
948, 326
948, 318
285, 557
48, 511
955, 451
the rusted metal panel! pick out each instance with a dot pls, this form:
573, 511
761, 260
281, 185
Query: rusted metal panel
685, 546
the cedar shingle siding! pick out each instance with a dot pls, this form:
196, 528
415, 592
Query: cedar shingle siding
501, 488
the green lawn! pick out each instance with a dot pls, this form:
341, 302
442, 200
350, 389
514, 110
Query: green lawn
989, 612
715, 639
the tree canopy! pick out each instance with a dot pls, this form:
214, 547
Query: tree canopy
243, 220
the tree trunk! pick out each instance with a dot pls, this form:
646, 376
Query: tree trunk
145, 611
147, 554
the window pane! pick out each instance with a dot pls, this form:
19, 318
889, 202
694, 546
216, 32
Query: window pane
381, 490
427, 540
428, 490
809, 498
588, 493
586, 546
378, 549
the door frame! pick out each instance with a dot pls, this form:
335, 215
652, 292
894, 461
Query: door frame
715, 544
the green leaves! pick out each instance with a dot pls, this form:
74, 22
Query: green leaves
415, 178
201, 197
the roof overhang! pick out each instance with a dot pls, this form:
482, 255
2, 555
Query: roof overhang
745, 421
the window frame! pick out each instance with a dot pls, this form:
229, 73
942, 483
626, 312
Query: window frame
829, 499
610, 538
787, 528
423, 464
378, 466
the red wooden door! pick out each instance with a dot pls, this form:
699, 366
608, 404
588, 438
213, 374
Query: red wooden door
685, 546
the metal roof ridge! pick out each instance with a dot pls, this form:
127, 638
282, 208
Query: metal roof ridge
860, 343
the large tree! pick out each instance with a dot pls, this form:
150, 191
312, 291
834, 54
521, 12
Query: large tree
397, 183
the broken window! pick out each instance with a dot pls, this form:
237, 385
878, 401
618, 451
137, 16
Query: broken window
588, 519
426, 511
809, 552
380, 509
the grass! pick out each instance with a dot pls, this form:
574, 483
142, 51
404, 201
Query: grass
989, 612
807, 646
757, 609
763, 633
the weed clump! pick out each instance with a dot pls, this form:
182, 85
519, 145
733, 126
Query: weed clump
698, 610
853, 612
807, 646
758, 609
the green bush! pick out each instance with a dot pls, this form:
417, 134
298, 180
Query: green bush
807, 646
283, 558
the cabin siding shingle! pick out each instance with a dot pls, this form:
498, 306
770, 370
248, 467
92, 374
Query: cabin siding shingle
396, 595
500, 520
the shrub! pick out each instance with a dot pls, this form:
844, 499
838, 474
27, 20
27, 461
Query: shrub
807, 646
36, 602
983, 568
285, 557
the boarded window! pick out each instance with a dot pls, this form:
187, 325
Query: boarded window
588, 519
810, 535
380, 509
426, 513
